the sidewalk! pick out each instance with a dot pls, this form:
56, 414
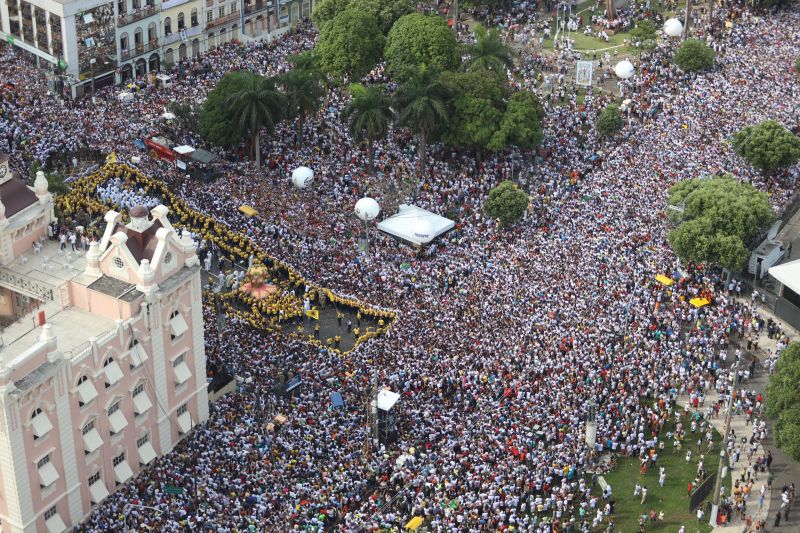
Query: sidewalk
783, 468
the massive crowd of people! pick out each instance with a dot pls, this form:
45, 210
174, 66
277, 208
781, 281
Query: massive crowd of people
503, 335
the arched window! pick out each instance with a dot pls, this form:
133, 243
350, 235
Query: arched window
86, 391
195, 21
41, 424
123, 41
167, 26
181, 22
113, 372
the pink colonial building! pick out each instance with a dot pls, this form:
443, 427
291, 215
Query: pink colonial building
107, 373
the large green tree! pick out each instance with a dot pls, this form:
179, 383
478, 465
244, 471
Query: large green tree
694, 55
255, 105
477, 106
325, 10
308, 61
216, 124
609, 121
350, 44
369, 115
720, 216
421, 103
644, 34
507, 203
386, 12
484, 116
768, 146
783, 400
416, 41
522, 122
489, 52
304, 92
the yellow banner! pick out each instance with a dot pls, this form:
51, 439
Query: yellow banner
664, 280
414, 523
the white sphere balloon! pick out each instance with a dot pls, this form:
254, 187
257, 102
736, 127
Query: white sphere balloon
624, 69
302, 177
423, 230
673, 27
367, 209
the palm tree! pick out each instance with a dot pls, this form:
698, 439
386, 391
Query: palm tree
488, 52
422, 106
256, 104
304, 92
369, 114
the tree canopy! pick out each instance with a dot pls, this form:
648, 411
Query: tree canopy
644, 34
304, 91
720, 217
768, 146
485, 117
255, 105
216, 125
521, 125
350, 44
694, 55
422, 106
418, 40
507, 203
489, 52
783, 400
609, 121
477, 107
386, 12
369, 114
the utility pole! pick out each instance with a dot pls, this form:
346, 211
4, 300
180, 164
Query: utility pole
686, 22
455, 16
724, 443
92, 62
611, 10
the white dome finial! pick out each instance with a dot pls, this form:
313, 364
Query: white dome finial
40, 185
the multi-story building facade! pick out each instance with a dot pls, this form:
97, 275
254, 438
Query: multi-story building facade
105, 376
100, 42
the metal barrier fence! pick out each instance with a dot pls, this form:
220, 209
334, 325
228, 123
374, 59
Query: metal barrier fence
702, 492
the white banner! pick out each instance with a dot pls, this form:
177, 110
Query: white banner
583, 73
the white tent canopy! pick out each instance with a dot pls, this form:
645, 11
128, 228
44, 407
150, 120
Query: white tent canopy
387, 399
183, 149
788, 274
416, 225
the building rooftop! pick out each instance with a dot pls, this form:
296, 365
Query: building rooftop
16, 196
51, 266
72, 327
141, 244
116, 287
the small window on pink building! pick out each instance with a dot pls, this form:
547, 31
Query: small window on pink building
113, 372
41, 424
177, 325
86, 391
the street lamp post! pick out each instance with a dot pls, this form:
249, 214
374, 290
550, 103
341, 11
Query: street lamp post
92, 62
367, 209
624, 70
